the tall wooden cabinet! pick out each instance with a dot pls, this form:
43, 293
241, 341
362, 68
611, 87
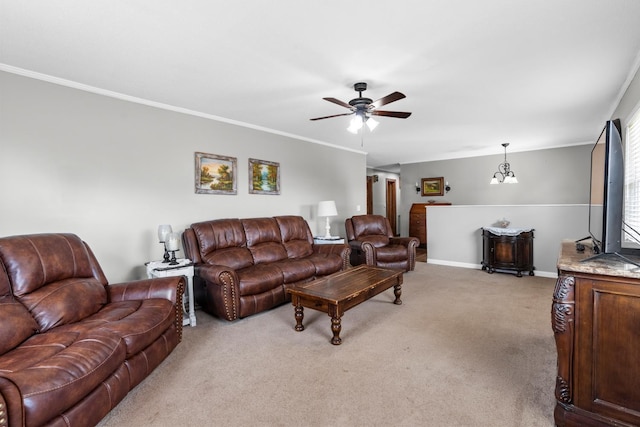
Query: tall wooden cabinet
418, 221
595, 317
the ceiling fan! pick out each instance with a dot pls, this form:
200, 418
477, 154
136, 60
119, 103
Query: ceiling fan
363, 108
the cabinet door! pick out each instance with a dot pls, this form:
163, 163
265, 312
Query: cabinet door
607, 372
504, 251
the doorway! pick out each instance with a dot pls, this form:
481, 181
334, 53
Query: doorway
392, 213
369, 195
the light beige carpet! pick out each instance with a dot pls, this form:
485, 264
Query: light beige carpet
465, 348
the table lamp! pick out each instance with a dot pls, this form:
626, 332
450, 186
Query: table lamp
327, 208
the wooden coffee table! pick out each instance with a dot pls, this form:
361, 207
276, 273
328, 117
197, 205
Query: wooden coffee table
341, 291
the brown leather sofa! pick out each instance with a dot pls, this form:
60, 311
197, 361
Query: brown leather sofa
372, 242
71, 344
243, 266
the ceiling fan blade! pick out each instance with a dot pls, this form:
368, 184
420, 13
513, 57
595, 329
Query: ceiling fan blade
337, 101
335, 115
387, 99
398, 114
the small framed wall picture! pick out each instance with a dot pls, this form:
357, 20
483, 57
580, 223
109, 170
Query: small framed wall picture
432, 186
215, 174
264, 177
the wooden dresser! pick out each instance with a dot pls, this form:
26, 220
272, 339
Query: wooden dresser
595, 317
418, 221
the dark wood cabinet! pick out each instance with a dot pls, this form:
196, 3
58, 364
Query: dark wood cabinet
418, 221
595, 317
507, 252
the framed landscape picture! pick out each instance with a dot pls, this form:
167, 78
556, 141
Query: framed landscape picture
264, 177
215, 174
433, 186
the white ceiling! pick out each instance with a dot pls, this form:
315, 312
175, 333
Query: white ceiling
536, 74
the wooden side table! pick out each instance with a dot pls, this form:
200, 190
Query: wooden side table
507, 249
330, 241
184, 268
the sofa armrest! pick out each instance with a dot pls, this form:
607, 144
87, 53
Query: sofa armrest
219, 283
338, 248
405, 241
11, 410
171, 288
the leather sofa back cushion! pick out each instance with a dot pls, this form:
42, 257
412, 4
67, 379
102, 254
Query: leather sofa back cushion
219, 234
235, 258
264, 240
367, 226
17, 324
33, 261
65, 301
296, 236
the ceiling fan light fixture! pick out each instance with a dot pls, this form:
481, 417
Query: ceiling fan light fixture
371, 123
356, 124
363, 108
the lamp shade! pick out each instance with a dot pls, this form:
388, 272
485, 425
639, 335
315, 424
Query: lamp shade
327, 208
163, 232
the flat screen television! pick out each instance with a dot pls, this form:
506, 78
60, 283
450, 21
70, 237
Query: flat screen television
606, 198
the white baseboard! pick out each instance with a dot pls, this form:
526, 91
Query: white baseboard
552, 275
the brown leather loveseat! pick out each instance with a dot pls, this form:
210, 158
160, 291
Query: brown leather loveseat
71, 344
243, 266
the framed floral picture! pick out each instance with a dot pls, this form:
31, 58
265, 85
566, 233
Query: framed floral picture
264, 177
215, 174
432, 186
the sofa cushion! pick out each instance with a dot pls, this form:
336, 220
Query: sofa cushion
259, 278
234, 257
264, 240
17, 324
56, 369
326, 263
296, 270
378, 241
370, 225
296, 236
36, 260
218, 234
65, 301
137, 322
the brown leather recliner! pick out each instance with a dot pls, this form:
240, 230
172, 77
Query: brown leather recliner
71, 344
372, 242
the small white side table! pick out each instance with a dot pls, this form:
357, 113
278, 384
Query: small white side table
330, 241
184, 268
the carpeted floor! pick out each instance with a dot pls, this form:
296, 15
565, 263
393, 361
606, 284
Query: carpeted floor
465, 348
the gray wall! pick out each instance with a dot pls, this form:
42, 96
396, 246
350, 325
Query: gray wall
111, 171
552, 196
553, 176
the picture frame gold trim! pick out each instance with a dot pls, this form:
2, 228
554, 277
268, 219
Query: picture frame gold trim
432, 186
264, 177
215, 174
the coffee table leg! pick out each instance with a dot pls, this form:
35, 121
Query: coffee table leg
299, 317
336, 326
397, 291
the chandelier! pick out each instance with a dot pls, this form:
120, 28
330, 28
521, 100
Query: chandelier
504, 174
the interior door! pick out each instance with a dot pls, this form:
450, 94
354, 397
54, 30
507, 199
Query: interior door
391, 205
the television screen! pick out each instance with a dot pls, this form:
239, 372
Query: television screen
606, 190
596, 197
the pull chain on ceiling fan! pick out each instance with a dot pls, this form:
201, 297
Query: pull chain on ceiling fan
363, 108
